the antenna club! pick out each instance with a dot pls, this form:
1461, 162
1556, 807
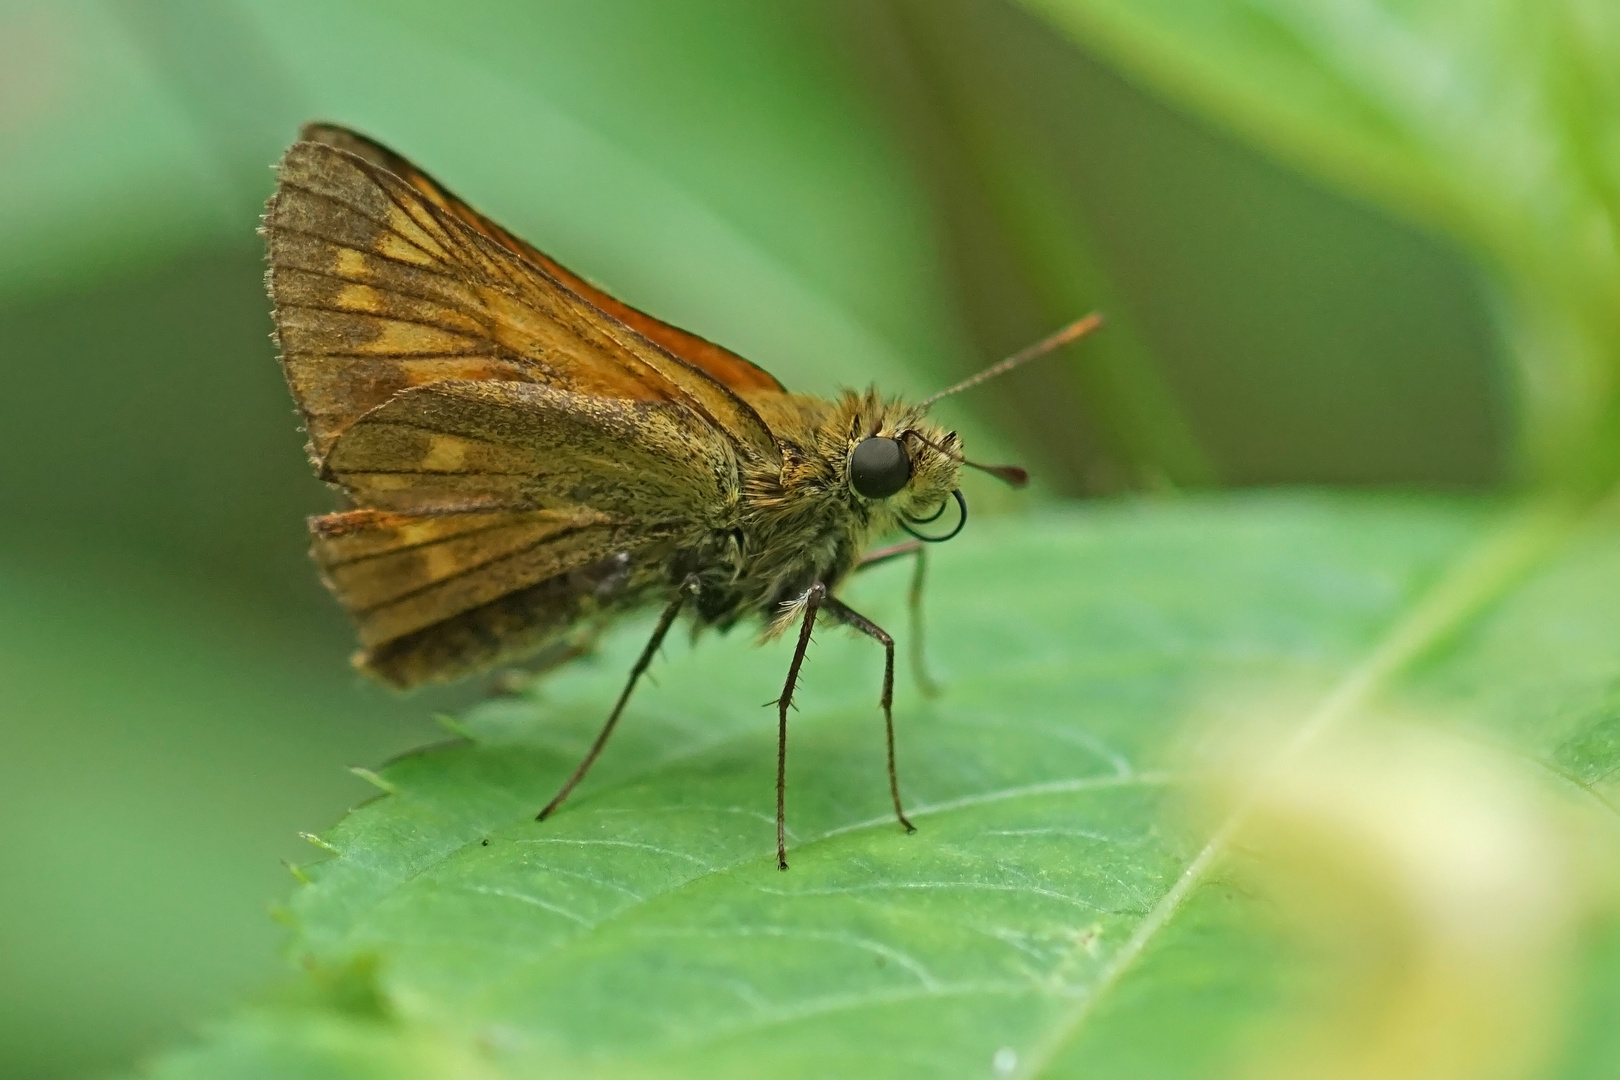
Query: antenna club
1011, 475
1079, 328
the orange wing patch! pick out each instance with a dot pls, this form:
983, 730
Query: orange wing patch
526, 452
719, 362
373, 294
377, 289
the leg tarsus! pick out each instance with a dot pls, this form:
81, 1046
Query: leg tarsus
665, 621
813, 599
852, 618
914, 596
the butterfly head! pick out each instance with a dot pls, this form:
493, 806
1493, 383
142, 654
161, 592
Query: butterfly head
896, 462
912, 465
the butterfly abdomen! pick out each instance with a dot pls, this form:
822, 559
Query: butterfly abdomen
512, 627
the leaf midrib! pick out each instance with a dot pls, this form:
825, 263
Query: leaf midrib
1481, 575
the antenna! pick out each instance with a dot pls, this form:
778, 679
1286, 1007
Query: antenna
1073, 332
1012, 475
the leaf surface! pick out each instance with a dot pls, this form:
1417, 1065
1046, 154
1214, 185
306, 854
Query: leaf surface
1042, 921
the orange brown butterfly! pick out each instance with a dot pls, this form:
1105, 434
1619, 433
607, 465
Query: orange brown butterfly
526, 458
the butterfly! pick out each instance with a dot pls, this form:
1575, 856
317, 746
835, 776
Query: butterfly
525, 457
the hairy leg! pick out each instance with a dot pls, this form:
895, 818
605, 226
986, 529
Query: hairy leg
665, 621
919, 570
850, 617
813, 599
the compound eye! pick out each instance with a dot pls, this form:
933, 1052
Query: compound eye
879, 467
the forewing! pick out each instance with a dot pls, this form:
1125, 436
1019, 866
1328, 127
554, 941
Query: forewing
377, 288
437, 596
520, 446
721, 363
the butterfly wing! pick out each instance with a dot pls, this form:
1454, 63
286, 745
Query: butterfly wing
500, 513
377, 289
465, 445
521, 458
719, 362
436, 596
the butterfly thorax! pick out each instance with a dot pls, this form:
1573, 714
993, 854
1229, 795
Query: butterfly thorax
799, 520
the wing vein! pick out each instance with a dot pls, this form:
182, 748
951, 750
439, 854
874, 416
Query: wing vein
457, 234
385, 553
484, 338
472, 568
495, 350
390, 288
368, 253
293, 185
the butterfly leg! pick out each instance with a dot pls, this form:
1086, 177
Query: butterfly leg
813, 599
665, 621
914, 597
851, 618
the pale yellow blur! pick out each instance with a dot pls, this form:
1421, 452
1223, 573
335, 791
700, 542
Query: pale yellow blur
1438, 886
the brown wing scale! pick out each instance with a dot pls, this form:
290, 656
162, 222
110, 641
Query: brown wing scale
377, 289
434, 596
723, 364
499, 513
515, 446
523, 453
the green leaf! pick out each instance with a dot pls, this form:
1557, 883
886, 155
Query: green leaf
1493, 120
1050, 916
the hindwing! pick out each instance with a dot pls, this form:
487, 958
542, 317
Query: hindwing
524, 452
435, 596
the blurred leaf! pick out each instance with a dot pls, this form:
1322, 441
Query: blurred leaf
1495, 120
707, 161
1047, 919
1122, 384
1097, 419
99, 169
736, 184
150, 807
221, 74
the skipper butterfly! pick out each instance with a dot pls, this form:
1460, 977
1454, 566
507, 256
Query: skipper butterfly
526, 457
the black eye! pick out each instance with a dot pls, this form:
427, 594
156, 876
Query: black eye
879, 467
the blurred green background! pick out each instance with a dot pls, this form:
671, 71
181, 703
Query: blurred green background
894, 191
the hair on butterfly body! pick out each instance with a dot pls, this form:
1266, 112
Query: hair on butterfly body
526, 456
802, 519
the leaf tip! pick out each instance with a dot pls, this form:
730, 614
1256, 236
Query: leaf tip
374, 780
453, 726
